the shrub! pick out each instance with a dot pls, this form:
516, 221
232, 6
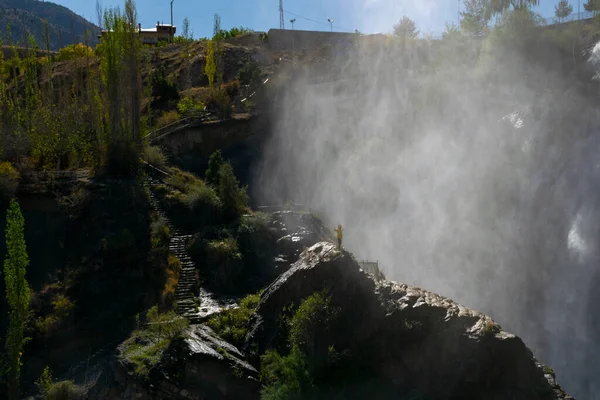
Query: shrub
173, 271
232, 88
224, 262
162, 87
74, 51
9, 180
254, 222
311, 356
63, 390
232, 325
196, 202
214, 165
204, 204
188, 105
311, 324
285, 377
144, 348
168, 118
233, 197
154, 156
183, 181
159, 232
250, 73
219, 101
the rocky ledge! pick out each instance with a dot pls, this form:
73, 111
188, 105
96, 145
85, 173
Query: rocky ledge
199, 365
413, 340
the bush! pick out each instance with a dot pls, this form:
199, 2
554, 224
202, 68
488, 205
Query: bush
183, 181
311, 356
204, 204
160, 233
233, 197
162, 87
188, 105
74, 51
310, 326
9, 180
173, 271
250, 73
61, 309
49, 390
196, 203
232, 88
168, 118
232, 325
285, 377
63, 390
214, 165
144, 348
219, 101
154, 156
224, 262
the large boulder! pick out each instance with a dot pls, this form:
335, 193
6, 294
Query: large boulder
409, 337
199, 366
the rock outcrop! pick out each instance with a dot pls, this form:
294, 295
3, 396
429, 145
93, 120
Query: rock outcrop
199, 366
410, 338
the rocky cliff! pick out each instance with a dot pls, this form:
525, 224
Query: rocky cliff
396, 341
412, 340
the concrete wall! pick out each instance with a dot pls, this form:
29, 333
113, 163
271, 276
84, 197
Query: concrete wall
285, 40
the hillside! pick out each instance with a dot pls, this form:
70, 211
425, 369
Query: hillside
27, 17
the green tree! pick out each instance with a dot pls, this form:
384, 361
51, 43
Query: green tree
214, 165
17, 295
233, 197
563, 9
210, 69
475, 19
499, 6
186, 33
592, 6
406, 28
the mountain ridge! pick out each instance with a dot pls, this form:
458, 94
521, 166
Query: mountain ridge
26, 17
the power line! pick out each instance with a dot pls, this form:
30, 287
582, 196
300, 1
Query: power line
317, 22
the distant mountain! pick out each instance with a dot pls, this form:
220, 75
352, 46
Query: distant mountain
27, 17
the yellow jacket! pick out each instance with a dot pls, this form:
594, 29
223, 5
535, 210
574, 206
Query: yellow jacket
339, 232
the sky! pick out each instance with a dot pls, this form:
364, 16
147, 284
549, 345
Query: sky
368, 16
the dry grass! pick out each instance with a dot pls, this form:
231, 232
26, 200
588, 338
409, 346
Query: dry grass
173, 271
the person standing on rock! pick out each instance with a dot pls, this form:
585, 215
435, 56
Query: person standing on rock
339, 230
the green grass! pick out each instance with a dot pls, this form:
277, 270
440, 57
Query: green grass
145, 347
232, 325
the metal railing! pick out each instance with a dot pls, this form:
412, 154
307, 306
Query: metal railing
570, 18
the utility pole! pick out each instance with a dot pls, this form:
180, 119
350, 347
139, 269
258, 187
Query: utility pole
293, 43
281, 21
331, 21
171, 28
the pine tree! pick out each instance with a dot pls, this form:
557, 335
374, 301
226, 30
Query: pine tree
475, 19
406, 28
17, 294
563, 9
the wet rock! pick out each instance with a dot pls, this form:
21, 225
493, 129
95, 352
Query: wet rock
409, 337
199, 366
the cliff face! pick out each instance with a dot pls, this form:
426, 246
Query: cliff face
413, 340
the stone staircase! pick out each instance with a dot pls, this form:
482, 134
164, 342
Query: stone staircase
192, 301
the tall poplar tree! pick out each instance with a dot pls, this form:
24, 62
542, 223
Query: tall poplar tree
17, 295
